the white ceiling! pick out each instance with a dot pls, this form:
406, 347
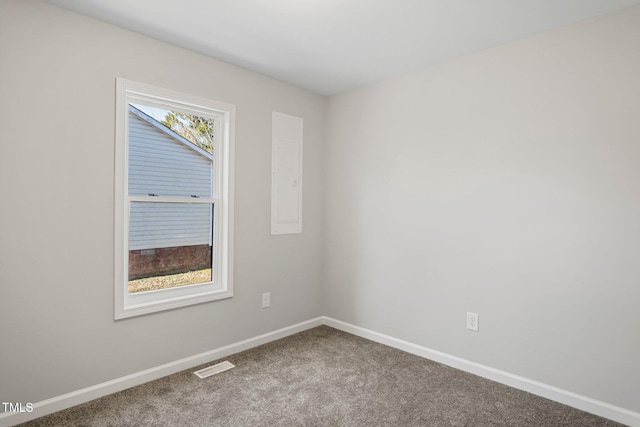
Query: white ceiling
329, 46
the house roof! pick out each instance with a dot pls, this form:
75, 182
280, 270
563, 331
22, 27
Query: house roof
164, 129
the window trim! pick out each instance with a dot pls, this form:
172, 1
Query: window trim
129, 305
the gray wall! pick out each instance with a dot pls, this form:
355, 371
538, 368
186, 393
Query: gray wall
57, 106
503, 183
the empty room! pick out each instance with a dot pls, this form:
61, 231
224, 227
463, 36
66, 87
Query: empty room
320, 213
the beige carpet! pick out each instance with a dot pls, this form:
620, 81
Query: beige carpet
323, 377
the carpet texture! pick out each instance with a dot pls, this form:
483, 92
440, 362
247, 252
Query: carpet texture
323, 377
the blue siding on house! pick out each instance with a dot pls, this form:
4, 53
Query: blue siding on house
160, 164
163, 225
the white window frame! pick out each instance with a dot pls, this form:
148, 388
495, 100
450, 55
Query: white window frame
221, 286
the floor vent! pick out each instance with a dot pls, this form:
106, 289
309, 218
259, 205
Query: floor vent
214, 369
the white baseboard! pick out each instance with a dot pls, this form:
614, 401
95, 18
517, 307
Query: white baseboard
84, 395
565, 397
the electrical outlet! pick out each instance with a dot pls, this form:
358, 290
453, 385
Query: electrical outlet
266, 300
472, 321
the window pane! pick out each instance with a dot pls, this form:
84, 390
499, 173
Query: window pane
172, 161
170, 244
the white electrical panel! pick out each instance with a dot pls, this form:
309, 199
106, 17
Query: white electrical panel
286, 174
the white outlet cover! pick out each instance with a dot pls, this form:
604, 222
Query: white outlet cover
472, 322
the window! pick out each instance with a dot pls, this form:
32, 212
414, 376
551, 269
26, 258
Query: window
173, 199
